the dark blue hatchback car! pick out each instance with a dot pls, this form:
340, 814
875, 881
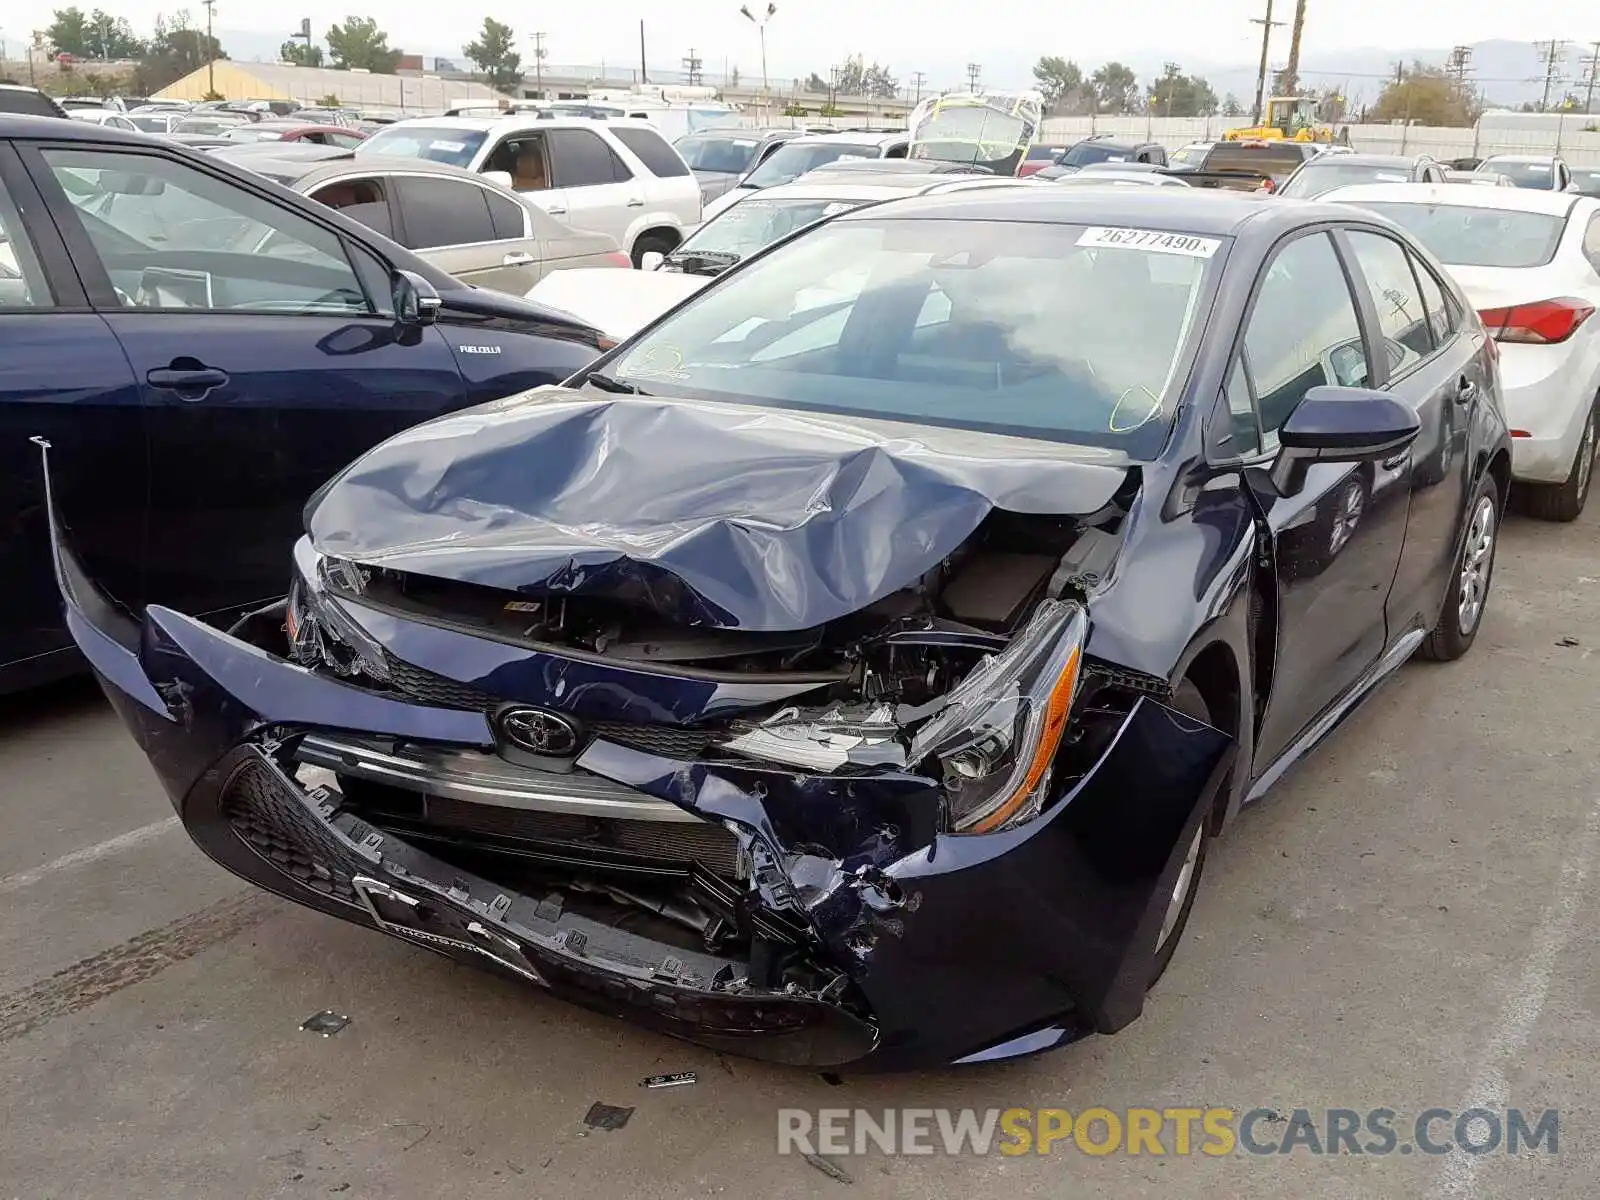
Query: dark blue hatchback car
204, 348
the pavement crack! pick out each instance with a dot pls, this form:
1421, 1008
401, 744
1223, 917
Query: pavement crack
139, 958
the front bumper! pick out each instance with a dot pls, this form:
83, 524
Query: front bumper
926, 948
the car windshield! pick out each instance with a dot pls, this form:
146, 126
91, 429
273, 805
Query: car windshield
729, 153
312, 116
1048, 330
1190, 156
1586, 181
1085, 153
1315, 178
754, 225
253, 133
211, 125
151, 124
437, 143
1463, 236
1524, 174
788, 163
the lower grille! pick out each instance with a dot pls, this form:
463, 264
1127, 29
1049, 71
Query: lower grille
280, 831
425, 687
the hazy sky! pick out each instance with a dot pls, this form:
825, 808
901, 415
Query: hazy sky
809, 34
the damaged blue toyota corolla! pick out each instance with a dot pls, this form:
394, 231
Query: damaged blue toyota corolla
852, 667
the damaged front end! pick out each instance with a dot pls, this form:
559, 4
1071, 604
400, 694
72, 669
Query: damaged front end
925, 831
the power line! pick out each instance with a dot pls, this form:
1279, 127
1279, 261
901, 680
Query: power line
1553, 51
1459, 64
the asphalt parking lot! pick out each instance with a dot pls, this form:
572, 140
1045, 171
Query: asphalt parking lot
1407, 923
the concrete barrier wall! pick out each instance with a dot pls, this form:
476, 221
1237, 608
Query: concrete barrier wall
1570, 141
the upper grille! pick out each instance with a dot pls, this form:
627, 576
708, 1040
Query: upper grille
669, 741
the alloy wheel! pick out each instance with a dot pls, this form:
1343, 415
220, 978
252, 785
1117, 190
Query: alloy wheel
1477, 558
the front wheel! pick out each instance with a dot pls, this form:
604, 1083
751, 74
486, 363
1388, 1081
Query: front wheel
1468, 594
651, 241
1187, 700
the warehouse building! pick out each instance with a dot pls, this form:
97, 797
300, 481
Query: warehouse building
397, 94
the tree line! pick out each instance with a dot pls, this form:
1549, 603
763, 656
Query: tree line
176, 46
1114, 89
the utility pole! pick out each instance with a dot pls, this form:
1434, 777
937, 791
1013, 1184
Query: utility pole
1291, 72
538, 62
211, 58
974, 72
691, 67
1591, 68
1459, 64
1553, 51
644, 72
917, 80
761, 28
1266, 24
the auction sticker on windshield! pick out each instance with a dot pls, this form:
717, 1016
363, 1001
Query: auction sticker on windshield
1153, 240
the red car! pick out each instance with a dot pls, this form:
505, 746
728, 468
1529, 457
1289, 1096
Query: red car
289, 131
1039, 157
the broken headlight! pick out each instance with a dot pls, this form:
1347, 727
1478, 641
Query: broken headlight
996, 737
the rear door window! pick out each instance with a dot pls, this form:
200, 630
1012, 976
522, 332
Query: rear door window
1441, 314
22, 283
509, 218
443, 212
1397, 299
650, 148
579, 158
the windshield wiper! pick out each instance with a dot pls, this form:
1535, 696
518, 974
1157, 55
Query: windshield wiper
607, 384
703, 262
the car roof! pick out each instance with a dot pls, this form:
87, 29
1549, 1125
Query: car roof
1527, 158
1366, 160
1206, 212
300, 173
858, 138
1465, 195
887, 186
529, 122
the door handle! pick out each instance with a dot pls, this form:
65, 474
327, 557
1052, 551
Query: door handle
556, 212
636, 202
190, 383
1395, 462
1466, 391
517, 258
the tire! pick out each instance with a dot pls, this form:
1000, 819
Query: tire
1187, 700
660, 243
1564, 501
1454, 634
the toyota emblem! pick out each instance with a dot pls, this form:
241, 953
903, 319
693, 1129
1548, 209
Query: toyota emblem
539, 731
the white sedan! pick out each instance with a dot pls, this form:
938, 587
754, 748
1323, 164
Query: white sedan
1530, 263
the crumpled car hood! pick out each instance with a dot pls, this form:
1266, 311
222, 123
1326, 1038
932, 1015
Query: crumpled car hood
725, 515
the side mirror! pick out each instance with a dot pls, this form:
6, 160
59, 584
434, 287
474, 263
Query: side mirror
1340, 424
415, 301
651, 260
503, 178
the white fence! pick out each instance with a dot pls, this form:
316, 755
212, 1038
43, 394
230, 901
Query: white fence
1568, 139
